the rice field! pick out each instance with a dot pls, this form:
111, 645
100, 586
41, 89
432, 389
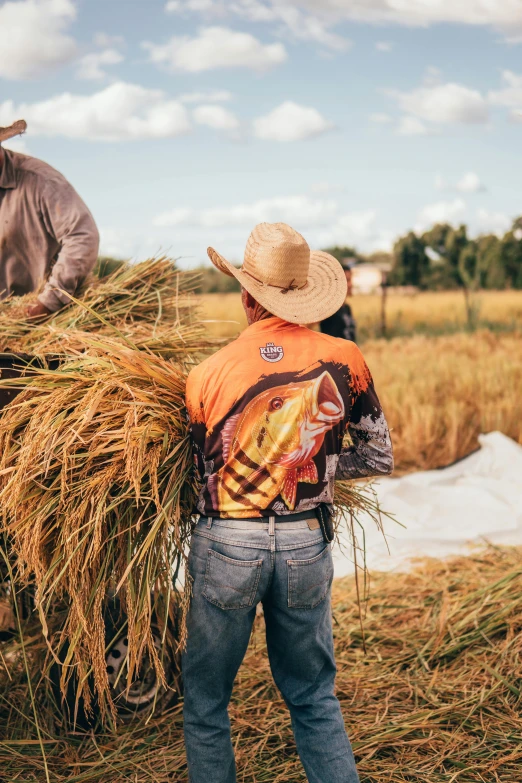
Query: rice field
440, 393
430, 313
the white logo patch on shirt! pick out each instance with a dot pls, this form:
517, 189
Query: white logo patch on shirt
271, 352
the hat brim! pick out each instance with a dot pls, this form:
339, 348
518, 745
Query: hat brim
324, 293
16, 129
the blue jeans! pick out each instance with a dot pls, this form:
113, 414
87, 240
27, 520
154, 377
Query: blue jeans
287, 567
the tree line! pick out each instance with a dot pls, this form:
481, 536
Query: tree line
445, 257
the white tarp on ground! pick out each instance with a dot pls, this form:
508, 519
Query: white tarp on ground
444, 511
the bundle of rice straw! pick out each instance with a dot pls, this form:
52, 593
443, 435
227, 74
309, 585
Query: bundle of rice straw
96, 494
152, 301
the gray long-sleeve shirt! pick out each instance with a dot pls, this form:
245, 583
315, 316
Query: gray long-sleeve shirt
46, 232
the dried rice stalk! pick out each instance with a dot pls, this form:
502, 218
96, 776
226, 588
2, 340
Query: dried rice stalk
141, 297
96, 492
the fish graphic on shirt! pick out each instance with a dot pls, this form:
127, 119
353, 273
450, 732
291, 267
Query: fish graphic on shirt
269, 447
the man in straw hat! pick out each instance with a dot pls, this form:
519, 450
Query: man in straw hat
276, 417
47, 234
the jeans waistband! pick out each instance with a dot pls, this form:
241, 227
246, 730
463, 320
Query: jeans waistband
297, 516
250, 524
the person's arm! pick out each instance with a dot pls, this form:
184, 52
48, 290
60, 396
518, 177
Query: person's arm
370, 452
68, 220
196, 416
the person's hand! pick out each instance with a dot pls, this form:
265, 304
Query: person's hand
37, 312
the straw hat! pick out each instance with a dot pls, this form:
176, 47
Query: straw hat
282, 273
17, 128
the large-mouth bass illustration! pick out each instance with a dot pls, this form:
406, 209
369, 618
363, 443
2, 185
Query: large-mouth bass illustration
270, 446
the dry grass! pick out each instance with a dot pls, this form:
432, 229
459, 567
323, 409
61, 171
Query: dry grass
437, 698
429, 313
440, 393
96, 493
152, 303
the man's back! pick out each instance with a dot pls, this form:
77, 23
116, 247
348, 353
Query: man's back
269, 414
42, 221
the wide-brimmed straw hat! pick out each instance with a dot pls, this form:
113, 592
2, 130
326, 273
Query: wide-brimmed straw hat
282, 273
18, 127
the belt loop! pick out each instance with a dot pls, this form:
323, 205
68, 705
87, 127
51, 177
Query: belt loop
209, 523
271, 526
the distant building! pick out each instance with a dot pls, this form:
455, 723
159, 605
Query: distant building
369, 278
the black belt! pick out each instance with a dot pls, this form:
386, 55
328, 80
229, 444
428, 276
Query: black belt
296, 517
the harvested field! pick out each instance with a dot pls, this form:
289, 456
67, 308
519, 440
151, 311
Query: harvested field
429, 313
440, 393
436, 699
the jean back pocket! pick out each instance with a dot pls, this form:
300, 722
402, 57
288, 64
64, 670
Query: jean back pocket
231, 584
309, 580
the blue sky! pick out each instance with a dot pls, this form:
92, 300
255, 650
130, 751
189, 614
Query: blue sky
182, 123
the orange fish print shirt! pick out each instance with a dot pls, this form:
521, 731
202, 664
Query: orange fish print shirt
277, 415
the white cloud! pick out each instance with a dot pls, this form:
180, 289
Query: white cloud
320, 219
492, 222
359, 228
502, 15
33, 37
216, 117
358, 224
439, 212
301, 26
119, 112
106, 41
510, 95
216, 47
384, 46
174, 6
470, 182
211, 96
90, 65
291, 122
305, 27
412, 126
288, 209
380, 119
444, 104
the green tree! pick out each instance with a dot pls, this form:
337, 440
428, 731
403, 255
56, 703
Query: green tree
489, 257
448, 242
511, 253
411, 264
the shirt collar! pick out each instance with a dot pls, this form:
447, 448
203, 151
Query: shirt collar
268, 325
8, 173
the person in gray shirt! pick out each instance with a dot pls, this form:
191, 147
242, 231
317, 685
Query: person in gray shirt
48, 237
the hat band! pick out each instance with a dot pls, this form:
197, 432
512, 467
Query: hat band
283, 288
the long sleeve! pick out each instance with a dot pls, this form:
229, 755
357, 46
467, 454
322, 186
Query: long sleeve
196, 415
370, 452
69, 221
